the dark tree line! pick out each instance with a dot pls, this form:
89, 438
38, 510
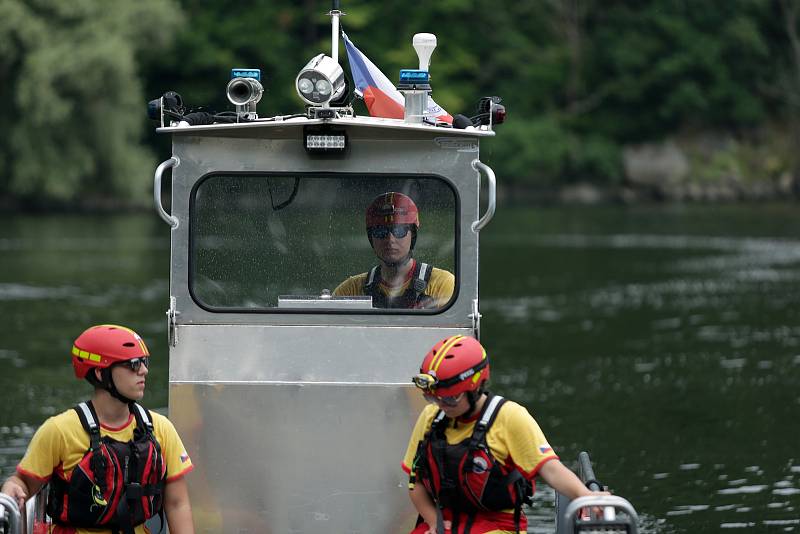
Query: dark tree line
582, 80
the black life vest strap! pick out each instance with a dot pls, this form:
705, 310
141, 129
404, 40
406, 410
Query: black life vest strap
491, 408
470, 521
440, 522
437, 421
489, 413
144, 416
420, 278
90, 423
373, 279
133, 492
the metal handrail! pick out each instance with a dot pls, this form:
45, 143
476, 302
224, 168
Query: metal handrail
171, 220
478, 165
614, 502
9, 506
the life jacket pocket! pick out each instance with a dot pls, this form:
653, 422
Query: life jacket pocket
84, 500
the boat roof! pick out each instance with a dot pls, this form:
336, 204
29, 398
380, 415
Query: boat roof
271, 124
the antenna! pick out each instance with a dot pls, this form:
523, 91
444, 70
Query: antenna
335, 13
424, 44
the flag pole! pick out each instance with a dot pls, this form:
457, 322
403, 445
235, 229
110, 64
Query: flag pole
335, 13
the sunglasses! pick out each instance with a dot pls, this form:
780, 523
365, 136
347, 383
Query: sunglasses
399, 231
446, 401
136, 364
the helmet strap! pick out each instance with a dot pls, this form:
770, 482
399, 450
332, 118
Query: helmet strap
107, 383
472, 398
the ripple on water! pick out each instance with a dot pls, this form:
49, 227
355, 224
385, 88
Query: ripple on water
28, 292
754, 488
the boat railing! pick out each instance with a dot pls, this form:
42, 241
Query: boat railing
610, 514
9, 515
32, 520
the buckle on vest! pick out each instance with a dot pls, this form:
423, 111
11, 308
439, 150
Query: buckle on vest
419, 285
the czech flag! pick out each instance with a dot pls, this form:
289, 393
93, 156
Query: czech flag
380, 95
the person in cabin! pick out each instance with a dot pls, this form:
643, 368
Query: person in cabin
111, 464
398, 281
473, 456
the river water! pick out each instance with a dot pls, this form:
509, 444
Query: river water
663, 340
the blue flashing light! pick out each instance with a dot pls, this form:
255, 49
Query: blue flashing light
414, 76
246, 73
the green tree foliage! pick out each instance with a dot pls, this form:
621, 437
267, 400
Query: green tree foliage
581, 79
72, 113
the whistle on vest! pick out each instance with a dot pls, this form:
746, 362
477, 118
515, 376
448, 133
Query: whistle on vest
97, 496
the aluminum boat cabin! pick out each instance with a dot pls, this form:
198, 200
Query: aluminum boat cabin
295, 403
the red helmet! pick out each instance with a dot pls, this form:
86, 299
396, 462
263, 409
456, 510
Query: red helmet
103, 345
452, 366
392, 208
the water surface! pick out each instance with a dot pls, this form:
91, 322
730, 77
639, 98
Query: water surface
663, 340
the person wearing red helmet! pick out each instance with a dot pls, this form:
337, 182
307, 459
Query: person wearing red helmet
111, 464
473, 456
398, 281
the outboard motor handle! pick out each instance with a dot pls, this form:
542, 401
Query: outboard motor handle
610, 522
9, 515
587, 472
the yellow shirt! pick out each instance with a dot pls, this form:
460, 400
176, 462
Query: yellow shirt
440, 287
514, 438
61, 442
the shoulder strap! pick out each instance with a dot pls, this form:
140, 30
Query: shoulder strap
144, 420
417, 285
422, 275
420, 278
89, 422
438, 419
372, 280
489, 413
372, 287
142, 415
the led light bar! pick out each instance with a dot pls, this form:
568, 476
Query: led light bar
325, 140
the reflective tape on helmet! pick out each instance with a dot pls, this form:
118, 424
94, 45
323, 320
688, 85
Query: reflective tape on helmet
86, 355
443, 351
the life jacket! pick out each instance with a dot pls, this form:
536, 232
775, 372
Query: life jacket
465, 477
116, 485
412, 298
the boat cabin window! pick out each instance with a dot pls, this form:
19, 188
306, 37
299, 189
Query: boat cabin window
323, 242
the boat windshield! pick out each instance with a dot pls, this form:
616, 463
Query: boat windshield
289, 242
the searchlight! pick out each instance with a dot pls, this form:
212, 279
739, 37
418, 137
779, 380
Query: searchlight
320, 81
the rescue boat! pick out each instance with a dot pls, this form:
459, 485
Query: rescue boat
294, 403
